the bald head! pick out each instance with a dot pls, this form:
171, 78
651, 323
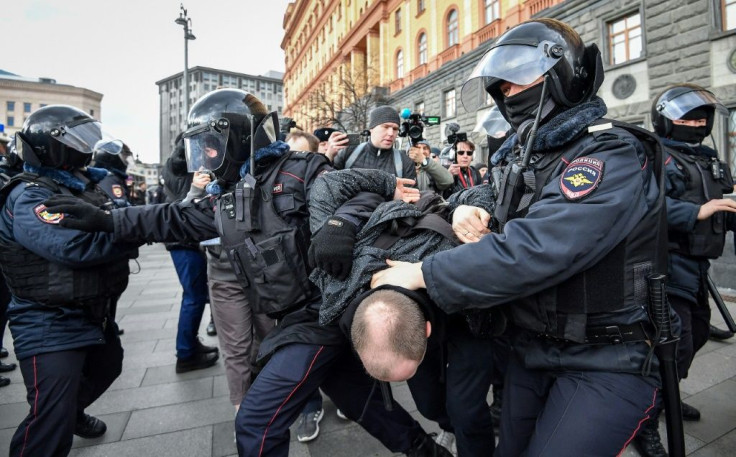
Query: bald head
389, 333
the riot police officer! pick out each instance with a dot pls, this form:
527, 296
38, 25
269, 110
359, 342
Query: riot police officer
698, 218
62, 281
575, 233
258, 207
113, 157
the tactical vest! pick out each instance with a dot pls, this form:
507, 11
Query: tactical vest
269, 255
618, 282
34, 278
706, 178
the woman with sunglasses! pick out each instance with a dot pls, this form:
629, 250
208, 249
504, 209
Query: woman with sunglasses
466, 176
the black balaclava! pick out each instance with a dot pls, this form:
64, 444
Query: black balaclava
693, 135
523, 106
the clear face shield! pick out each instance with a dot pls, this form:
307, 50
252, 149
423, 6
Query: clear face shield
513, 61
676, 107
206, 144
493, 124
81, 136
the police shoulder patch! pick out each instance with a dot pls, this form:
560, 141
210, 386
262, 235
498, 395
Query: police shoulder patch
117, 190
581, 177
46, 217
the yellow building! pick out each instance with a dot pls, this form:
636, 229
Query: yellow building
338, 51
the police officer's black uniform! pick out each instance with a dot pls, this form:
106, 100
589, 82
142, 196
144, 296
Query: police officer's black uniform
571, 259
263, 225
62, 283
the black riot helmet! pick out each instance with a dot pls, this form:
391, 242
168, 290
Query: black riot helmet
112, 155
220, 129
529, 51
681, 101
58, 136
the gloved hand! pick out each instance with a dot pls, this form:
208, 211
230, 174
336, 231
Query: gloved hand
332, 247
80, 215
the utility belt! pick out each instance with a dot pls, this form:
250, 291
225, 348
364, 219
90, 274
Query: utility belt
608, 334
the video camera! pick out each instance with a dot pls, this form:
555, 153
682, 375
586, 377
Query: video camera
413, 126
454, 136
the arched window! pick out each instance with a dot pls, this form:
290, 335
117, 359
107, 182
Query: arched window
453, 29
422, 48
399, 64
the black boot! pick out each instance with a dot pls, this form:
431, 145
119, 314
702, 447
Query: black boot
89, 426
647, 441
496, 405
690, 413
718, 334
425, 446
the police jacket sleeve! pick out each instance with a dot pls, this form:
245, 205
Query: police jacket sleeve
441, 176
185, 221
331, 190
681, 215
41, 234
557, 239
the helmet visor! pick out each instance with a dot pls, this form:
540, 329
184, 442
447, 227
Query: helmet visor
205, 145
81, 137
681, 104
516, 63
493, 124
116, 148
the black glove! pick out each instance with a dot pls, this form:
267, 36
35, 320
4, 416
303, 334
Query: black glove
332, 247
80, 215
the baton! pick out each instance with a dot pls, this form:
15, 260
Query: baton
721, 305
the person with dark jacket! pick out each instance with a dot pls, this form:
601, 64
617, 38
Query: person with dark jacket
378, 153
10, 165
191, 268
454, 396
698, 218
574, 242
63, 282
465, 175
260, 214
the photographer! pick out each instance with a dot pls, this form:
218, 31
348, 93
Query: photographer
430, 174
465, 175
379, 152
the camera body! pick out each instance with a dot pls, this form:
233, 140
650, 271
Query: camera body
413, 126
454, 136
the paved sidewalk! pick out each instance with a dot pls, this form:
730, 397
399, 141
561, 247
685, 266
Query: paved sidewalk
152, 411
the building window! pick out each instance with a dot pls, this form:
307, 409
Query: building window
92, 112
399, 64
420, 7
9, 106
493, 10
11, 121
422, 48
397, 21
625, 39
450, 104
453, 31
728, 7
26, 107
419, 107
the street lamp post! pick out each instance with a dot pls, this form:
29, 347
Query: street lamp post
186, 22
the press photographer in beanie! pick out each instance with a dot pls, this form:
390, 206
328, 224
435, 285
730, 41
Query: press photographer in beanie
379, 152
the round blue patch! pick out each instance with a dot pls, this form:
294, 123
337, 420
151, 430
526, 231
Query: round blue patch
581, 177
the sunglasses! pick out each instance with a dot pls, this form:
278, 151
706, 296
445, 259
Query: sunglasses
462, 153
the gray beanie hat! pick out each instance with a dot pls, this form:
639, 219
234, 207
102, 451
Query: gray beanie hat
383, 114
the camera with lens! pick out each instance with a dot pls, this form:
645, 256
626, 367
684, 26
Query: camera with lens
413, 126
454, 135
